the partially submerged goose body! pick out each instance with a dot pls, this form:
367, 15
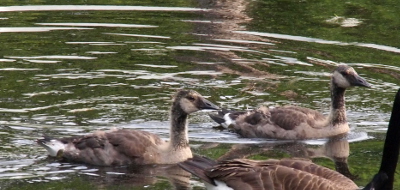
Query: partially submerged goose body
295, 174
292, 122
285, 174
124, 147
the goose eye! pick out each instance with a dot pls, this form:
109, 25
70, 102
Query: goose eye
191, 98
345, 73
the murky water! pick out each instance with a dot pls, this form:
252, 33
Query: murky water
72, 69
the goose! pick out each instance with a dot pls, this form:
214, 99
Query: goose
295, 174
126, 147
335, 149
293, 122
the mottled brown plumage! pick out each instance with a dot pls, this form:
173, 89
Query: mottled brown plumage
115, 147
285, 174
296, 174
293, 122
124, 147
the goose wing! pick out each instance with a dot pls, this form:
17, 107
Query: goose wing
289, 117
118, 147
286, 174
286, 122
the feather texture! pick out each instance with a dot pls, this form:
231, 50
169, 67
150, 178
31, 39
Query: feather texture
124, 147
293, 122
285, 174
296, 174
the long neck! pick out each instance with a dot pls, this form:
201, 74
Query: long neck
391, 148
179, 131
338, 112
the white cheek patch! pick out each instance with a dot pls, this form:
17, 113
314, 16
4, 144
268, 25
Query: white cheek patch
188, 106
340, 80
351, 70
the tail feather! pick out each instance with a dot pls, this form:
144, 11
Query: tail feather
217, 118
44, 139
54, 147
197, 166
226, 117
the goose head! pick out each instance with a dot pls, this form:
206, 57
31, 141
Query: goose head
345, 76
191, 101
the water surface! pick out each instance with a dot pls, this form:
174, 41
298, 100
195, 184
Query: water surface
74, 68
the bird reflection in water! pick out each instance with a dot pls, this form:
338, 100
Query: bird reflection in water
335, 148
144, 176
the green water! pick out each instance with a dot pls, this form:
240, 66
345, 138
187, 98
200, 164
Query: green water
71, 70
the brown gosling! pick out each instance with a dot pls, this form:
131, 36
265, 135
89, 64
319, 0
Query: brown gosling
293, 122
126, 147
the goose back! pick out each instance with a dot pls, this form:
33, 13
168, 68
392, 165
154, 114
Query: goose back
124, 146
117, 147
287, 122
121, 147
293, 122
285, 174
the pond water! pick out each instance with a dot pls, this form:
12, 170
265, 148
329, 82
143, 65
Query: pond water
73, 68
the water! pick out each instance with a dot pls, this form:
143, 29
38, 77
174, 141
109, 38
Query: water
74, 68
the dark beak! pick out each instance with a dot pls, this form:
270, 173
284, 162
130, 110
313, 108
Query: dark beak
205, 104
359, 81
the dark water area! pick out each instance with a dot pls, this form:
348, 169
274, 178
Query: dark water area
70, 68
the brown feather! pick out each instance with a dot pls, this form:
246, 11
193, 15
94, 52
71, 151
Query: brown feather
124, 147
111, 148
285, 174
292, 122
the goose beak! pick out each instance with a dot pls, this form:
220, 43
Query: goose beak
205, 104
359, 81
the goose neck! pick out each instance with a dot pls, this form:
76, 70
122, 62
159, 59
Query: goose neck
338, 104
179, 129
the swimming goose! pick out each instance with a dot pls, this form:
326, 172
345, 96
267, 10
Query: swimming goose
293, 174
292, 122
124, 147
336, 149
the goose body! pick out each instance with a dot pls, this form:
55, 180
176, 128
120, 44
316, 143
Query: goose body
124, 147
285, 174
293, 122
295, 174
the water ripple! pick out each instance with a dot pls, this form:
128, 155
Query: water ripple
138, 35
67, 103
321, 41
52, 57
243, 41
99, 25
20, 69
93, 8
38, 29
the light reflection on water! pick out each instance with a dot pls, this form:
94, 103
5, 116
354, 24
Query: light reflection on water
38, 29
321, 41
99, 25
93, 8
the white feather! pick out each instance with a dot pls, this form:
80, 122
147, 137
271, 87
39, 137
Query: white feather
228, 121
53, 147
220, 186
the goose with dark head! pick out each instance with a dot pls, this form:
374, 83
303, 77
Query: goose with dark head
293, 122
125, 147
295, 174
